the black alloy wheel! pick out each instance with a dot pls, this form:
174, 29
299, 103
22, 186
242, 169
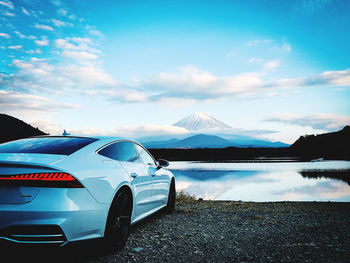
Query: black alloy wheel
118, 222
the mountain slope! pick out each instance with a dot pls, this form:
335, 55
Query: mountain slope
201, 121
201, 141
13, 129
209, 141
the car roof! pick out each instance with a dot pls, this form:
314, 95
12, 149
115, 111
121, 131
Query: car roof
101, 139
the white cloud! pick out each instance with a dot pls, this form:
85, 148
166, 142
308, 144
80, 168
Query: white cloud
8, 4
272, 44
43, 27
271, 64
15, 101
48, 126
79, 56
20, 35
256, 42
25, 11
149, 130
337, 78
255, 60
36, 66
96, 32
81, 50
175, 102
62, 11
32, 51
72, 17
195, 83
93, 31
286, 47
76, 44
87, 76
326, 122
43, 42
37, 75
56, 2
60, 23
190, 84
16, 47
4, 35
117, 92
9, 14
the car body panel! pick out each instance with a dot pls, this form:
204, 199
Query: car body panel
58, 206
81, 213
141, 183
161, 184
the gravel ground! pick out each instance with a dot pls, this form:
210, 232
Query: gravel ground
214, 231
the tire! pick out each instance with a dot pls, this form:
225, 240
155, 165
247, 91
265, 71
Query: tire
118, 222
170, 207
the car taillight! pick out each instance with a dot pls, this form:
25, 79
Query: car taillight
42, 179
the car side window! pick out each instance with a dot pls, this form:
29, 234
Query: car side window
126, 152
109, 151
146, 158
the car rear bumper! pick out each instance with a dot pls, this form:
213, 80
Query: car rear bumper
55, 216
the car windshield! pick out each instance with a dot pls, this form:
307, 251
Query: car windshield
46, 145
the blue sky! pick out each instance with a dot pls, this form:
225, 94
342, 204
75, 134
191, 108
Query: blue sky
271, 69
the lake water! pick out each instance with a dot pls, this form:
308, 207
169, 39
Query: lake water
260, 182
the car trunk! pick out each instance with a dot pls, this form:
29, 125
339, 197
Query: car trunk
14, 164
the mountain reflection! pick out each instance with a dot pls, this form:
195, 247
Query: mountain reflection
264, 182
204, 175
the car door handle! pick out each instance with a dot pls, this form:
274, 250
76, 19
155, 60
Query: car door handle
133, 175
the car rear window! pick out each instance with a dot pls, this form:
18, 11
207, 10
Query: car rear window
46, 145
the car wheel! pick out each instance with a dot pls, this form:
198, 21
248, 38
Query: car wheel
118, 221
171, 198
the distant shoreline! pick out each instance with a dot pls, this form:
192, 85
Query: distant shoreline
235, 154
247, 161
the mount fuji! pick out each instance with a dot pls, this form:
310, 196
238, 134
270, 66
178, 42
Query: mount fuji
218, 135
201, 121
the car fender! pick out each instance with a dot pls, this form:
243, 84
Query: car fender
129, 186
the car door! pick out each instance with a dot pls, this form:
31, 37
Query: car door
141, 181
160, 180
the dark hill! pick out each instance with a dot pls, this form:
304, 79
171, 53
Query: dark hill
334, 145
13, 129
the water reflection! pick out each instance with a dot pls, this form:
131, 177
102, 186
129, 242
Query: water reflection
343, 175
324, 181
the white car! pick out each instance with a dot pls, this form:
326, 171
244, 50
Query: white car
60, 189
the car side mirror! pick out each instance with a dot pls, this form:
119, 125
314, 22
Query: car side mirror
162, 163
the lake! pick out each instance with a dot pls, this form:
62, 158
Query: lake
261, 182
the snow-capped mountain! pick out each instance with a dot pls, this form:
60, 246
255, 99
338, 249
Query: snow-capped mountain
201, 121
216, 135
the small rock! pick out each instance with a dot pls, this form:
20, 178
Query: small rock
137, 249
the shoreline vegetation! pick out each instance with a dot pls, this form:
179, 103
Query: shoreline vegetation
230, 154
233, 154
